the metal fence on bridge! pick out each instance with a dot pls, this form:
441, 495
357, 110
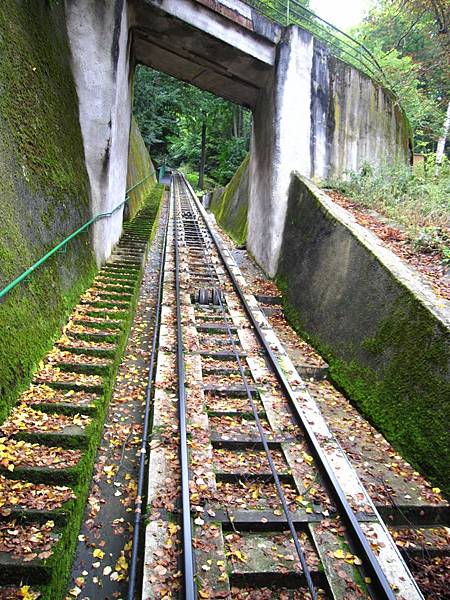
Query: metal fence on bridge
340, 44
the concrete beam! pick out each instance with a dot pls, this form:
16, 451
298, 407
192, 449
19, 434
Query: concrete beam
207, 16
201, 46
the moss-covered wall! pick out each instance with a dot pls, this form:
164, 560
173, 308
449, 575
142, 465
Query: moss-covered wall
231, 207
384, 335
139, 166
44, 189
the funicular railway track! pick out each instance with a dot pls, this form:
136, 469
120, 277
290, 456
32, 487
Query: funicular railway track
266, 504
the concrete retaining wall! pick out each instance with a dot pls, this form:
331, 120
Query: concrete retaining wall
44, 187
385, 336
139, 166
353, 120
230, 206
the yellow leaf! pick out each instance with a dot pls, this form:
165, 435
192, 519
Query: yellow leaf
367, 580
436, 490
11, 467
173, 528
203, 594
121, 564
309, 459
339, 554
98, 553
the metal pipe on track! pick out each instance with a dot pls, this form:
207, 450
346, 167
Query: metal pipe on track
190, 591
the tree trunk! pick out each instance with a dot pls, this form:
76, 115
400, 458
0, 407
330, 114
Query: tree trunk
441, 144
201, 171
236, 122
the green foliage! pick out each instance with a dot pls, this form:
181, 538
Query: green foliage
422, 111
414, 197
171, 115
410, 41
192, 177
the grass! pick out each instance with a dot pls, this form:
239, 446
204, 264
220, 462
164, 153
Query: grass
413, 197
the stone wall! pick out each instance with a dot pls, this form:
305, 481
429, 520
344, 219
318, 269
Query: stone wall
383, 332
44, 187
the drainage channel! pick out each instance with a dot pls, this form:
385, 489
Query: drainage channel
249, 493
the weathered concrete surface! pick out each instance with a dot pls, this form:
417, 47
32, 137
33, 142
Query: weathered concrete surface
223, 47
280, 144
44, 187
353, 119
383, 333
139, 167
99, 42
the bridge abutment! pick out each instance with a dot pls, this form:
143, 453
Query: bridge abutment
99, 43
320, 117
280, 144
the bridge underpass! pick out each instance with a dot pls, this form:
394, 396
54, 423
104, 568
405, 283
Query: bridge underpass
312, 113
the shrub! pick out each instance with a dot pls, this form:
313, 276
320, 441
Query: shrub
412, 196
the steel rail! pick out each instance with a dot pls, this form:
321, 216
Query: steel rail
64, 242
379, 587
273, 469
146, 423
190, 591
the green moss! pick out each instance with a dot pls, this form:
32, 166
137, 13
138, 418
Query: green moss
62, 558
405, 397
44, 187
139, 166
231, 210
38, 99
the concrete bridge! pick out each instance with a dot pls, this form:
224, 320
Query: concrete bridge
312, 112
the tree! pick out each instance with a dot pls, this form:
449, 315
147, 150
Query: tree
184, 125
441, 143
410, 39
